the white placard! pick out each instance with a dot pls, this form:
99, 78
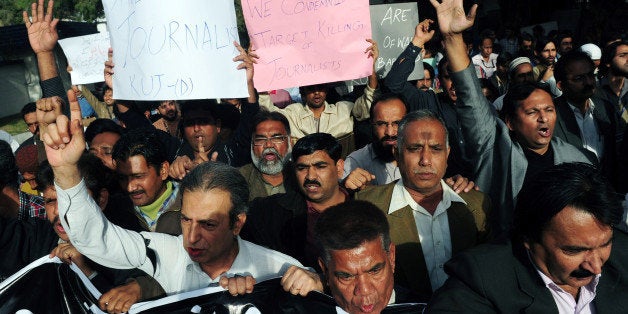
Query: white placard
86, 55
166, 50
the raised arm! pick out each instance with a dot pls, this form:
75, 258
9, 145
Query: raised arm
397, 79
362, 105
43, 37
452, 21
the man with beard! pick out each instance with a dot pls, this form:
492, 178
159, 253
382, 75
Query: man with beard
170, 117
584, 120
270, 151
375, 163
442, 104
285, 222
429, 221
376, 160
545, 50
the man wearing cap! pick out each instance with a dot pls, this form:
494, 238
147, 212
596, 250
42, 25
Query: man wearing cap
27, 165
519, 70
595, 53
13, 202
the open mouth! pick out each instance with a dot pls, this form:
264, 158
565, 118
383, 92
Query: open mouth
545, 132
59, 228
367, 308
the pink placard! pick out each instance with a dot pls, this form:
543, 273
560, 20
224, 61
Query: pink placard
305, 42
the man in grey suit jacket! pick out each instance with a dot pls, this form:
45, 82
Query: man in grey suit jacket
506, 154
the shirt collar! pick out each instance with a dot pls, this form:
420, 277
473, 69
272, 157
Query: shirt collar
577, 110
592, 286
402, 198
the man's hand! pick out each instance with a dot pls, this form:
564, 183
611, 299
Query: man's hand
65, 143
451, 17
247, 59
372, 51
299, 281
238, 284
120, 299
109, 69
459, 183
42, 29
67, 253
180, 167
422, 33
48, 109
358, 179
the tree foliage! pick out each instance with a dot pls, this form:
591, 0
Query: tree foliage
73, 10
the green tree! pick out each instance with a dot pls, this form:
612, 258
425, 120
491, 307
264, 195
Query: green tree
73, 10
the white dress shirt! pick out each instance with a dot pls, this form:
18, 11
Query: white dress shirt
433, 230
112, 246
592, 139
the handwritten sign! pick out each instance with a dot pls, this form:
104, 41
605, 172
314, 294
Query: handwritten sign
304, 42
86, 55
393, 28
174, 49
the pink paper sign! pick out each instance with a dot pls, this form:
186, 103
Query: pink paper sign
305, 42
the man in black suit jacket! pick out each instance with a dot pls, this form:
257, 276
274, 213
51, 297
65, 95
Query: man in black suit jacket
559, 258
559, 255
584, 120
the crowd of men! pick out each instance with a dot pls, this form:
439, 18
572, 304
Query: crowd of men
489, 185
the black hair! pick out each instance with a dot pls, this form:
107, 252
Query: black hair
310, 143
443, 66
216, 175
560, 68
303, 90
208, 105
385, 97
95, 174
541, 43
430, 69
8, 167
516, 93
28, 108
99, 126
577, 185
265, 115
141, 142
608, 53
348, 225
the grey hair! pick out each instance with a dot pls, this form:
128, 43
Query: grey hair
216, 175
417, 115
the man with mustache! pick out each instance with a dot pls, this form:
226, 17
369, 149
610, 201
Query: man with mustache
170, 117
584, 120
270, 151
142, 167
375, 163
358, 258
505, 153
429, 221
376, 159
285, 222
565, 256
443, 103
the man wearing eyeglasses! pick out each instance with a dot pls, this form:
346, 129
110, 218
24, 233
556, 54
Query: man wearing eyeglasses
270, 151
